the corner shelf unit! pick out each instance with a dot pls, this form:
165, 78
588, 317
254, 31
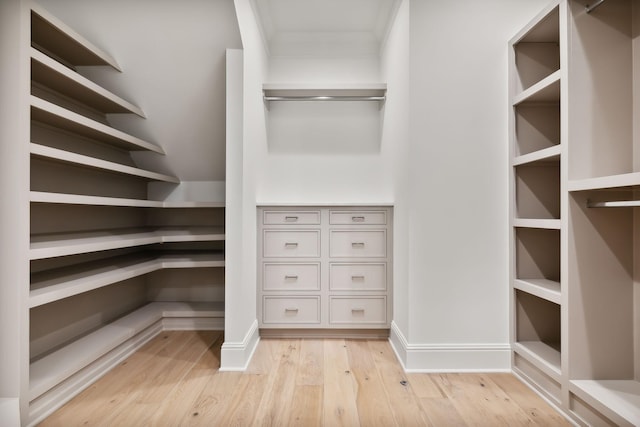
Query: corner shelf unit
103, 256
575, 226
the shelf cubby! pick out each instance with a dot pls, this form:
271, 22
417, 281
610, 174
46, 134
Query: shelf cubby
537, 190
538, 332
537, 254
610, 402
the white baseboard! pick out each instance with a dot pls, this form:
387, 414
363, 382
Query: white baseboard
235, 356
449, 357
193, 323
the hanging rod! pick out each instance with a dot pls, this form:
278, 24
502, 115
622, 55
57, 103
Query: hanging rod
591, 7
325, 98
614, 204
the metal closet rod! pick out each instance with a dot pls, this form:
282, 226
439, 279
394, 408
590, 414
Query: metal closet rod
591, 7
324, 98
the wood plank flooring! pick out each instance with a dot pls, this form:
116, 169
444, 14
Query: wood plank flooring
174, 381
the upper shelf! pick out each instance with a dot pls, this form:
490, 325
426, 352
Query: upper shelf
56, 116
81, 199
611, 182
53, 75
544, 28
53, 36
326, 92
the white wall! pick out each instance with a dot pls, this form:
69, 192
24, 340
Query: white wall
173, 58
14, 210
458, 292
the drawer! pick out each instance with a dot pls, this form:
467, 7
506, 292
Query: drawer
291, 217
292, 310
353, 243
357, 277
352, 310
290, 277
358, 217
291, 244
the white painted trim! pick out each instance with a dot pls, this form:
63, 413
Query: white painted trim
429, 358
193, 324
235, 356
10, 412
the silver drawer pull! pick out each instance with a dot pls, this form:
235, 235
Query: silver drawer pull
357, 244
290, 277
291, 244
357, 277
291, 218
291, 310
357, 218
357, 310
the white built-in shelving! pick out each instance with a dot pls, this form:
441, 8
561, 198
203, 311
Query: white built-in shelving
575, 158
98, 241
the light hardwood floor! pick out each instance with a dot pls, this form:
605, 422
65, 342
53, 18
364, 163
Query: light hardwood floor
174, 381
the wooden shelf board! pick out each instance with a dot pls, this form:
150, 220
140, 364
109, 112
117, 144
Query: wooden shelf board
55, 245
611, 182
58, 117
542, 355
546, 90
347, 89
80, 199
54, 75
55, 36
547, 224
612, 397
550, 155
54, 285
94, 163
55, 367
543, 288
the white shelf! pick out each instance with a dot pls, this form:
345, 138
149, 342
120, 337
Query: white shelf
92, 162
79, 199
346, 90
55, 36
53, 75
547, 224
542, 288
614, 398
54, 285
58, 117
614, 204
542, 355
546, 90
55, 245
52, 369
550, 155
611, 182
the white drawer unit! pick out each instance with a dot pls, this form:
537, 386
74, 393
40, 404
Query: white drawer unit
358, 244
290, 277
357, 310
325, 268
291, 244
291, 217
358, 276
291, 310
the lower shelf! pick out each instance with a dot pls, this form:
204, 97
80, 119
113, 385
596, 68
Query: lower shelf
56, 367
544, 356
616, 399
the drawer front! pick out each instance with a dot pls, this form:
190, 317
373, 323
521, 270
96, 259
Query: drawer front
291, 217
291, 244
358, 277
291, 277
358, 217
358, 244
291, 310
351, 310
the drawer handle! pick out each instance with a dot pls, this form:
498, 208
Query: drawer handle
357, 310
357, 218
291, 218
357, 277
357, 244
287, 277
291, 244
290, 310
